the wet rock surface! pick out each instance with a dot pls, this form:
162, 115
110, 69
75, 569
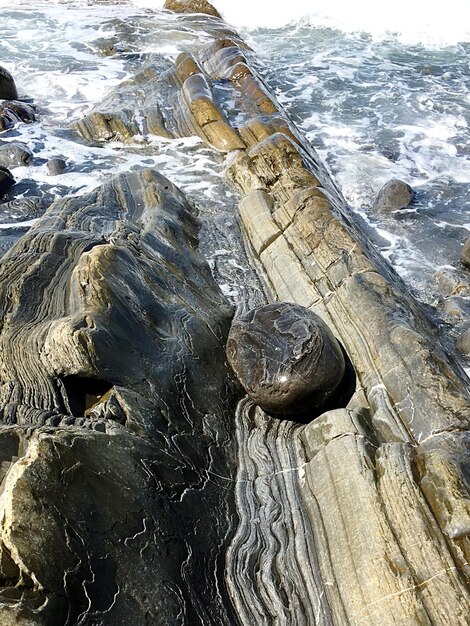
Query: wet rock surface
6, 180
286, 358
56, 166
126, 256
15, 154
394, 195
136, 488
8, 89
191, 6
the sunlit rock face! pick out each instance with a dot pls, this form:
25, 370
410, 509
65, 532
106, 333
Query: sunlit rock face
113, 372
138, 484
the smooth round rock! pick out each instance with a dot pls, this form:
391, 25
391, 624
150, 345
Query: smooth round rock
8, 89
394, 195
286, 358
56, 166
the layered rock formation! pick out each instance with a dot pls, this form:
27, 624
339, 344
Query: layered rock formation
126, 456
113, 335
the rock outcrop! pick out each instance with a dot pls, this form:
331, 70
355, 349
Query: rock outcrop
136, 489
465, 253
119, 414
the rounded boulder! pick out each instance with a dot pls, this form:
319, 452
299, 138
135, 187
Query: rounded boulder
8, 89
394, 195
286, 358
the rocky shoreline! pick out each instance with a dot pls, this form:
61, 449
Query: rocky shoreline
139, 484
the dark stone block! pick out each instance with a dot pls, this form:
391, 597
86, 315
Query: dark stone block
286, 358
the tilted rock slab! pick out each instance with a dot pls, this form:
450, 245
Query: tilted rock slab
387, 494
117, 443
362, 516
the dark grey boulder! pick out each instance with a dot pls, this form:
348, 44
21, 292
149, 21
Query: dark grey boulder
285, 358
394, 195
56, 166
8, 89
465, 253
6, 180
15, 154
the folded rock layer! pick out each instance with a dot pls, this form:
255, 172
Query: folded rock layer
118, 416
135, 489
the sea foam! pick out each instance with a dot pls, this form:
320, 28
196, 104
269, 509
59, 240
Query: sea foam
419, 21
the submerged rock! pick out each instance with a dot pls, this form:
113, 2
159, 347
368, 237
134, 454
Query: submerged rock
15, 154
21, 210
6, 180
394, 195
285, 357
191, 6
8, 89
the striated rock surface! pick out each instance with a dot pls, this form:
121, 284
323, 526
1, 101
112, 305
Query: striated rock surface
286, 358
135, 488
120, 416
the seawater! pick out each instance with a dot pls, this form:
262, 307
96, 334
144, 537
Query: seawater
380, 92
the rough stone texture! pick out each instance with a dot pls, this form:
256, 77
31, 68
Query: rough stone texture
115, 509
8, 89
129, 110
451, 282
191, 6
359, 518
285, 358
395, 194
6, 180
383, 549
465, 253
15, 154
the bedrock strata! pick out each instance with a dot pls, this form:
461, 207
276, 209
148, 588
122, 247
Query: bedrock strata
163, 499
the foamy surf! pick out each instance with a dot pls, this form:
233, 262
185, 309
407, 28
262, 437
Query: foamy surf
381, 92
